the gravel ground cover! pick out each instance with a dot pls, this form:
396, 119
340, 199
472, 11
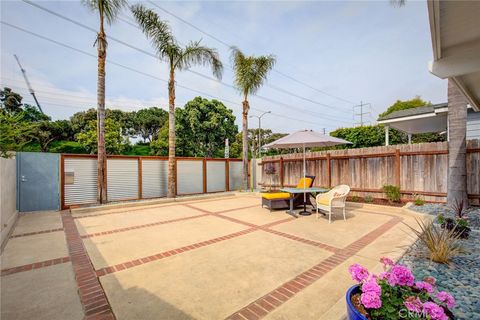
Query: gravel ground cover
462, 276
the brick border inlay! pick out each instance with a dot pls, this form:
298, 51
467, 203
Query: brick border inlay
35, 265
92, 296
34, 233
272, 300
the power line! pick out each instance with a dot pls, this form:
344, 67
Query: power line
362, 113
229, 46
320, 115
146, 74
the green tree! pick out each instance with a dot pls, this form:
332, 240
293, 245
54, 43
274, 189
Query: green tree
267, 136
107, 10
178, 59
250, 73
148, 122
11, 101
114, 141
46, 132
201, 129
407, 104
15, 132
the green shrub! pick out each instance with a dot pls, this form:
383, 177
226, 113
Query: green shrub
67, 147
418, 201
392, 192
354, 198
441, 243
368, 199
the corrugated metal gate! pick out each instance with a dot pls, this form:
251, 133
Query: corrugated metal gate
134, 178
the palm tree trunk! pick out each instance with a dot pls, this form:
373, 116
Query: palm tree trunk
246, 107
101, 152
171, 135
457, 147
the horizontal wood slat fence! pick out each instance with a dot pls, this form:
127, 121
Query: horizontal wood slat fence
419, 169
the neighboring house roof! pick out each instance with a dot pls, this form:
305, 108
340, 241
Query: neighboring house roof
413, 111
455, 31
418, 120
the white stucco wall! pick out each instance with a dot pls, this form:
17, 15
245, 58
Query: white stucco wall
8, 196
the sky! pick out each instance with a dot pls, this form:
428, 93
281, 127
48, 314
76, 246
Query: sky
330, 57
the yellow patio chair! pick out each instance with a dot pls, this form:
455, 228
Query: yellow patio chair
280, 200
334, 198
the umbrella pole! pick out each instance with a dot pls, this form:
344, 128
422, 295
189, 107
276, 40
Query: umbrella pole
304, 212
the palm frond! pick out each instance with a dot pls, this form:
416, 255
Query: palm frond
250, 72
106, 8
196, 54
156, 30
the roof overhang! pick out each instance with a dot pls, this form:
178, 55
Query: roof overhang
455, 31
422, 123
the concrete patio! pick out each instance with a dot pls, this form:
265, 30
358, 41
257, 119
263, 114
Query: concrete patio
216, 258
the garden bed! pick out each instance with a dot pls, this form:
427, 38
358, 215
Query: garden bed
379, 201
460, 277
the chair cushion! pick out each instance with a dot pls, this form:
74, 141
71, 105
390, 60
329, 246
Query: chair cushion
307, 181
323, 201
276, 195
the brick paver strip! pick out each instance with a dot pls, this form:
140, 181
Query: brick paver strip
141, 226
35, 265
35, 232
92, 296
158, 256
272, 300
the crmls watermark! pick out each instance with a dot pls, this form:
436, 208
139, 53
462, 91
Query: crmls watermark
408, 314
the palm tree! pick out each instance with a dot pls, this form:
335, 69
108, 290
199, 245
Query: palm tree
107, 10
250, 74
178, 58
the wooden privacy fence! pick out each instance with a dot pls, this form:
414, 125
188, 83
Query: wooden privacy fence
419, 169
144, 177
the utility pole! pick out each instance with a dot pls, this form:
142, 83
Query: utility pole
259, 151
361, 114
24, 73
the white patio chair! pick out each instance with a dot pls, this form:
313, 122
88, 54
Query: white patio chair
334, 198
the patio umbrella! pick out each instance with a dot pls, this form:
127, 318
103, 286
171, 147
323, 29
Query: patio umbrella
305, 139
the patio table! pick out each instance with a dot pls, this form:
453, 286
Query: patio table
294, 191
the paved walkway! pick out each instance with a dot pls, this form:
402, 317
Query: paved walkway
219, 258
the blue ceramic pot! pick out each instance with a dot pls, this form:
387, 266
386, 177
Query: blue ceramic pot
352, 313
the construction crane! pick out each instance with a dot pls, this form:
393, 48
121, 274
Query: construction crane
28, 84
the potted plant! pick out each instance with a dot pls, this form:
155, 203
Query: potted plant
394, 294
270, 171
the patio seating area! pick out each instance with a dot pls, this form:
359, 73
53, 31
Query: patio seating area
216, 258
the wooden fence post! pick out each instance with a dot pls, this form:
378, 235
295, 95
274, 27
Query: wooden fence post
140, 182
281, 172
204, 175
329, 169
397, 167
227, 175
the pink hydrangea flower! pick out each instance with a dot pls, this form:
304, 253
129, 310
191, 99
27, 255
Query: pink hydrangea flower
371, 300
401, 275
435, 311
386, 261
413, 304
358, 272
422, 285
446, 298
430, 280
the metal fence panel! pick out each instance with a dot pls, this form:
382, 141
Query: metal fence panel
189, 176
235, 175
83, 187
154, 178
122, 179
215, 176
